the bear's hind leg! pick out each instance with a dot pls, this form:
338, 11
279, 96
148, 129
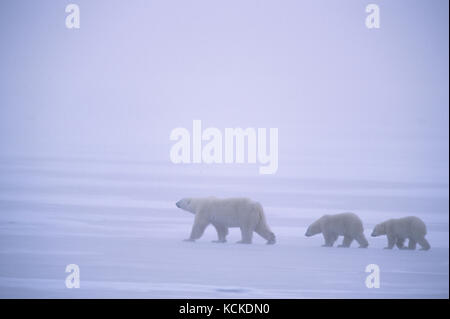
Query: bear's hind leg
247, 229
412, 244
346, 242
362, 241
222, 232
265, 233
424, 243
247, 235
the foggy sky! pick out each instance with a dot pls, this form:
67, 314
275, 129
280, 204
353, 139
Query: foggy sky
135, 70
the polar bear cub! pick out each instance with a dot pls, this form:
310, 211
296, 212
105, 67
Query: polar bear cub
398, 230
348, 225
244, 213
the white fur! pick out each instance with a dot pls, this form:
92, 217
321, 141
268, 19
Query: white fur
398, 230
225, 213
348, 225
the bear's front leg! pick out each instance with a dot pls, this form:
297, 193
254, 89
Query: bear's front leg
222, 232
197, 229
346, 242
391, 242
400, 243
329, 239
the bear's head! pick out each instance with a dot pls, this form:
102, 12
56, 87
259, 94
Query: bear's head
379, 230
314, 229
186, 204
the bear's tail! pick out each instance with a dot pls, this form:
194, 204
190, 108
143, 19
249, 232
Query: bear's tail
262, 228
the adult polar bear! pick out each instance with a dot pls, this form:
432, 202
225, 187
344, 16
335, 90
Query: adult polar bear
244, 213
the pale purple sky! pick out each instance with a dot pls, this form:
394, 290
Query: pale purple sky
137, 69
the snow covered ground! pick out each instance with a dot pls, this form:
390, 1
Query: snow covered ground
117, 221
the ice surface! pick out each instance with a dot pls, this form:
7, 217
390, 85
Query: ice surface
118, 222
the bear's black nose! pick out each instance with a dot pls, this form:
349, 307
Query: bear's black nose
177, 204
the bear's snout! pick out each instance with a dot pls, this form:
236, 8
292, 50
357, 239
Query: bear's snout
373, 234
178, 204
